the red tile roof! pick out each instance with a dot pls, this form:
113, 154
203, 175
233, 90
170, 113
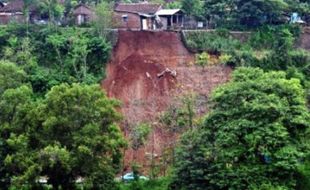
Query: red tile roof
82, 10
145, 8
17, 6
13, 6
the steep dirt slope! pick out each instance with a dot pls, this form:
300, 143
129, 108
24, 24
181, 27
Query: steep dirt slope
138, 58
147, 71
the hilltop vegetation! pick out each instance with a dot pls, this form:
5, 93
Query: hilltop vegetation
55, 120
244, 14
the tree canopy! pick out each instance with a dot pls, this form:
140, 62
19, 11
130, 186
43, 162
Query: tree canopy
247, 13
70, 134
255, 135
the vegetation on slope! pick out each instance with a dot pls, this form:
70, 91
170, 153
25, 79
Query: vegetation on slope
255, 135
57, 123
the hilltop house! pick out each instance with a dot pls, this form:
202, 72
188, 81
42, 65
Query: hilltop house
132, 16
136, 16
83, 14
147, 16
13, 12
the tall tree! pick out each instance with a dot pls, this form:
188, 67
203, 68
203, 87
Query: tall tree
256, 12
53, 9
11, 104
104, 18
10, 76
194, 8
218, 10
79, 136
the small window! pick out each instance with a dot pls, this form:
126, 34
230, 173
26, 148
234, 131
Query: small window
125, 18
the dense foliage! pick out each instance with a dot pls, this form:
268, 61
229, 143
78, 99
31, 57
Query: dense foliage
54, 121
255, 135
215, 42
51, 56
245, 13
69, 134
57, 124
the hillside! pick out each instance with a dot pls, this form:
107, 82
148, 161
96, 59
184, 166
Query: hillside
137, 76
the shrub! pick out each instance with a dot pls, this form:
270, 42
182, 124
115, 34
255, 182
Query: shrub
202, 59
304, 176
212, 42
225, 58
267, 36
300, 59
157, 184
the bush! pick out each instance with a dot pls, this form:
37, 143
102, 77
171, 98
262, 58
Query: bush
301, 59
268, 187
202, 59
225, 59
51, 57
267, 36
157, 184
212, 42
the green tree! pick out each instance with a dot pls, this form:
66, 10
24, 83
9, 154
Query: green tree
28, 4
20, 51
71, 134
283, 45
139, 136
10, 76
253, 136
52, 8
79, 56
104, 18
217, 11
17, 166
193, 8
79, 136
256, 12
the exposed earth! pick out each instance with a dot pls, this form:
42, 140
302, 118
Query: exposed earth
150, 70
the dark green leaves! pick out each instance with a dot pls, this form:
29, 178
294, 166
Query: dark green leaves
253, 135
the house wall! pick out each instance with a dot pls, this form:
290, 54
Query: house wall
171, 21
164, 21
134, 22
6, 18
